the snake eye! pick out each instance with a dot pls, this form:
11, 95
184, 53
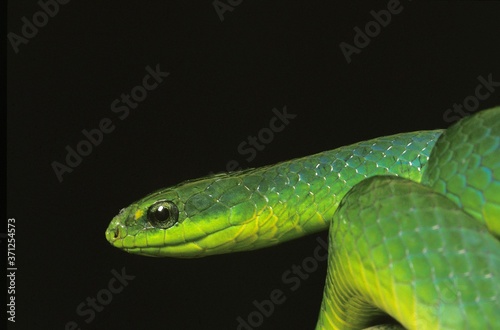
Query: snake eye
163, 214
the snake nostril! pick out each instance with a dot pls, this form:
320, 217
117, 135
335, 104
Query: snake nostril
117, 232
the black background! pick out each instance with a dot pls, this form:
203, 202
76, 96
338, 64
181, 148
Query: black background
225, 79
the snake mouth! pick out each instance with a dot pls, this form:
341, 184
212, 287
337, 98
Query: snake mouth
113, 234
117, 229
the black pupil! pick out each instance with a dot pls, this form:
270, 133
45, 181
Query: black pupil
162, 213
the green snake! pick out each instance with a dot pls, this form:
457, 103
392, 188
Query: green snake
413, 219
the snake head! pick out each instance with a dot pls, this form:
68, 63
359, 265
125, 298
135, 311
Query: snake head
193, 219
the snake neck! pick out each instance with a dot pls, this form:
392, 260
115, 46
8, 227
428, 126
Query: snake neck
299, 197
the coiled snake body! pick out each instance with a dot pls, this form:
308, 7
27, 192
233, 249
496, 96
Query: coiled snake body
413, 218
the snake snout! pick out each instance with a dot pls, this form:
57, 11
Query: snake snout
116, 230
112, 233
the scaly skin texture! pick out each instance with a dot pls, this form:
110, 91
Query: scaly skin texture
413, 239
422, 253
265, 206
466, 168
426, 263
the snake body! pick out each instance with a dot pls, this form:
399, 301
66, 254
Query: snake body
413, 219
